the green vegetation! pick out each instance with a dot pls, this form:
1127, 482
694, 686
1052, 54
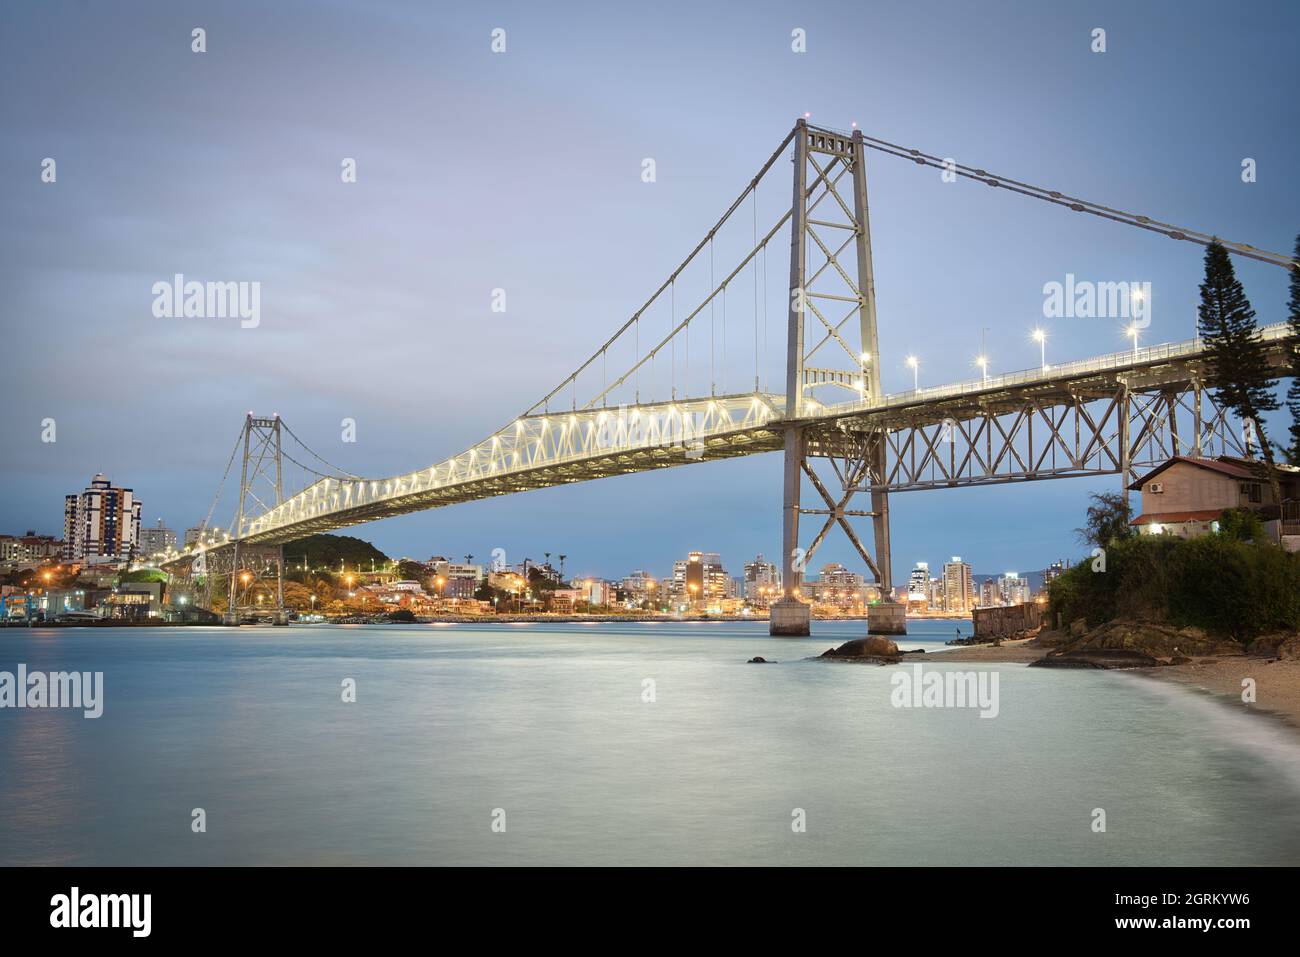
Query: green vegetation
411, 571
1108, 520
1240, 377
330, 551
1219, 582
142, 575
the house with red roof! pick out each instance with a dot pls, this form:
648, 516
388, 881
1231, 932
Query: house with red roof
1185, 495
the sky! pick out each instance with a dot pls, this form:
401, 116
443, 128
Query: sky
523, 171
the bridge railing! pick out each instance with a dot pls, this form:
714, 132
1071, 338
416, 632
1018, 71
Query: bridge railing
1128, 359
535, 442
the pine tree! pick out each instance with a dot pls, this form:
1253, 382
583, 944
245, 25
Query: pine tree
1239, 377
1293, 394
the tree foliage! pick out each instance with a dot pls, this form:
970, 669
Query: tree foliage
1108, 520
1240, 377
329, 551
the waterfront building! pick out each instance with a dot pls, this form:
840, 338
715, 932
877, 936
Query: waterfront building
101, 523
593, 591
935, 588
507, 581
838, 586
918, 587
445, 568
990, 594
958, 587
700, 579
762, 582
157, 539
30, 547
1012, 589
1184, 496
639, 587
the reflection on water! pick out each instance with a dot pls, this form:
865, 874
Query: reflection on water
548, 723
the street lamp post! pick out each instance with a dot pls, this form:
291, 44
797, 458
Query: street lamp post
983, 363
916, 374
1133, 331
1041, 338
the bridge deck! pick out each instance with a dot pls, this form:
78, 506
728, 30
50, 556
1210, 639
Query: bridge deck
540, 451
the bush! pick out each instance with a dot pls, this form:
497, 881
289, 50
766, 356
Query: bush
1226, 586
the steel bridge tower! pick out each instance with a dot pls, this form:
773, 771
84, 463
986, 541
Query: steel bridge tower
261, 471
822, 160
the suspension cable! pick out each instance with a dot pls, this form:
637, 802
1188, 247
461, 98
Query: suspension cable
207, 520
338, 472
776, 154
1076, 204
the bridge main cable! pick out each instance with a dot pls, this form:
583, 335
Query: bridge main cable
1078, 205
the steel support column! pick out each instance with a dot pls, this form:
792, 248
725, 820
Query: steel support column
871, 360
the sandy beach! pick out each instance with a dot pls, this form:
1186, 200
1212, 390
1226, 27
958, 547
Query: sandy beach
1023, 651
1277, 680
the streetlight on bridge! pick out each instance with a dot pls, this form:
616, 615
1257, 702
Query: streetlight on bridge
1133, 331
916, 374
1040, 337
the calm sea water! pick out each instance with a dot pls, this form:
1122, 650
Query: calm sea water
548, 723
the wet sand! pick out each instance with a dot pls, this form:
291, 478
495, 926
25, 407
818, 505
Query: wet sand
1277, 681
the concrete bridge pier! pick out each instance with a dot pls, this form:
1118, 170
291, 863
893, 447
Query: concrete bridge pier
791, 616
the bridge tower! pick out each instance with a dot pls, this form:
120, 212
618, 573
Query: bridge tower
828, 215
261, 479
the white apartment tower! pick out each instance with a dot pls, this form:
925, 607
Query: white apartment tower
101, 523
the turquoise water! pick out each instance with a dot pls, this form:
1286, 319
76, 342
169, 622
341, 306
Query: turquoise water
548, 723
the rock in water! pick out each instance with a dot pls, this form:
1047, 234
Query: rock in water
870, 648
759, 660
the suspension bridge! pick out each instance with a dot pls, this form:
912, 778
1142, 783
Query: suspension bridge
841, 436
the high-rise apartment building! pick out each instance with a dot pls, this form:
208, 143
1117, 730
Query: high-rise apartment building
762, 581
918, 587
958, 587
700, 578
157, 539
1013, 589
101, 523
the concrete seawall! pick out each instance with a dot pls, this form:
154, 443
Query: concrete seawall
1005, 622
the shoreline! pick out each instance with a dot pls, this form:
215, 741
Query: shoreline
1277, 680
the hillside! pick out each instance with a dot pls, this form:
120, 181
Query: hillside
329, 551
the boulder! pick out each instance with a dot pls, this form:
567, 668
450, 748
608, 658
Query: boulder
1154, 639
870, 648
759, 660
1078, 627
1284, 644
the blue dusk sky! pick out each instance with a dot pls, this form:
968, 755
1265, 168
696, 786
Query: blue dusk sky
522, 171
